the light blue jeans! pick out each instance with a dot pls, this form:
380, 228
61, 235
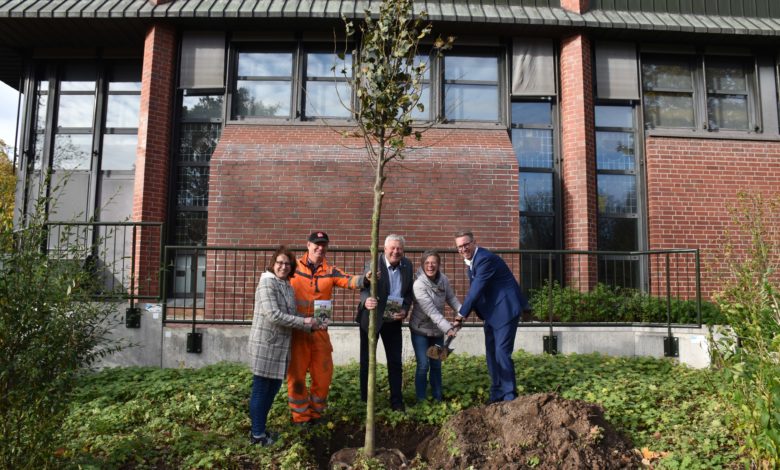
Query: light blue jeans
421, 343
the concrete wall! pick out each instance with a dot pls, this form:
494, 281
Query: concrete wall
228, 343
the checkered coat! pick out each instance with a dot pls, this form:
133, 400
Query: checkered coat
274, 318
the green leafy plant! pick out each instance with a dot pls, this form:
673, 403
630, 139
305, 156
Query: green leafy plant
616, 304
749, 351
50, 330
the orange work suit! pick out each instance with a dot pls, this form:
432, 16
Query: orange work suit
312, 352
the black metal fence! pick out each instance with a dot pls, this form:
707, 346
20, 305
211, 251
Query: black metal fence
216, 285
113, 252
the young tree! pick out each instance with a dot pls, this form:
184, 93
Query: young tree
387, 76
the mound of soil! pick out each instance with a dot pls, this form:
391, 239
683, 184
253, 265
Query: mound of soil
533, 431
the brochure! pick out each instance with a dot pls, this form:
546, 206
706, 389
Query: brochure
323, 310
394, 305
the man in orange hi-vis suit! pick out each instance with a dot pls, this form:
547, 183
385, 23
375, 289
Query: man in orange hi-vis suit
314, 280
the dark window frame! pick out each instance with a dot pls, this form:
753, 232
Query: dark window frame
697, 63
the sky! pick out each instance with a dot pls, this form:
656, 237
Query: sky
8, 102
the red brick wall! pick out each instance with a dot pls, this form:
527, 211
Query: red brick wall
275, 184
690, 185
577, 145
577, 6
578, 152
154, 141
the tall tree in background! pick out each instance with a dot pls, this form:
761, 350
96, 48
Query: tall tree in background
7, 188
387, 76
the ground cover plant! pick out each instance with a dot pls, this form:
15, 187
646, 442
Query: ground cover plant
604, 304
172, 418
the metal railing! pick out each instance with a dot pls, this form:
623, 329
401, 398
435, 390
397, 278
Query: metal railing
122, 266
216, 285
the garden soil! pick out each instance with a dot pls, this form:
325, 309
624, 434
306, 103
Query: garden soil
540, 431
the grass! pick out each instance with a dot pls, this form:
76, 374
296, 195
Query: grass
183, 418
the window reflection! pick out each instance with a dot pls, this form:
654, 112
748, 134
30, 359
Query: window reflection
532, 113
201, 107
265, 64
533, 147
263, 99
471, 102
123, 111
119, 152
536, 192
471, 88
76, 111
617, 194
72, 152
615, 150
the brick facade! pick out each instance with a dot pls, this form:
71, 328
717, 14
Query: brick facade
275, 184
154, 144
691, 183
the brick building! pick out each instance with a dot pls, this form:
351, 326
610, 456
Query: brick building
614, 125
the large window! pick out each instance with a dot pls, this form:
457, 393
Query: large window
85, 129
533, 141
699, 92
618, 194
304, 82
269, 84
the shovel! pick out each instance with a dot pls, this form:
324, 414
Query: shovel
441, 352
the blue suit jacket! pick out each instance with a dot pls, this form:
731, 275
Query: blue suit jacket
494, 292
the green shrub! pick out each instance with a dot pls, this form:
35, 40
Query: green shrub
49, 331
616, 305
749, 352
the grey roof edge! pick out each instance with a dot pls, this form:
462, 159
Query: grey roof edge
474, 11
683, 22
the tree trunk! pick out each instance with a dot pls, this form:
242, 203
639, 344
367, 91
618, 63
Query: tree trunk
379, 179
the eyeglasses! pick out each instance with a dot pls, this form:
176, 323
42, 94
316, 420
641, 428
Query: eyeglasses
464, 246
283, 263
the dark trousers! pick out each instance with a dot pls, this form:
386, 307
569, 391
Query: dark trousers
392, 339
499, 343
264, 391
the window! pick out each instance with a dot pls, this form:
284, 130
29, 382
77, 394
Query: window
471, 91
85, 129
618, 194
534, 145
264, 85
302, 82
691, 92
199, 131
327, 92
200, 127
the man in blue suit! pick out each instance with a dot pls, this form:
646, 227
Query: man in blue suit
496, 297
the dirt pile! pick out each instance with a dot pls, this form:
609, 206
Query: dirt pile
541, 431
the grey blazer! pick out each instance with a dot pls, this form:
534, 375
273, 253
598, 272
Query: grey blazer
274, 318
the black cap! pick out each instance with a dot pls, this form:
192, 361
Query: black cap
318, 237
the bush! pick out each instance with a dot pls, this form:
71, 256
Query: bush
749, 352
617, 305
49, 330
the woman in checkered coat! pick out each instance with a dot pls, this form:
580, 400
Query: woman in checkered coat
269, 340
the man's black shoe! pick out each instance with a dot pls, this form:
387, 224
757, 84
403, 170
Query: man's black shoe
398, 407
